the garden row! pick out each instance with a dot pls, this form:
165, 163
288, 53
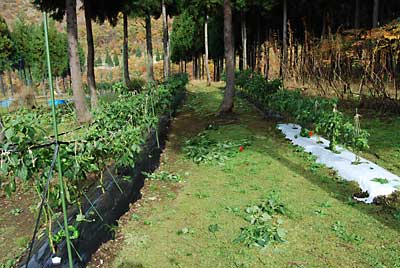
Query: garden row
315, 114
116, 137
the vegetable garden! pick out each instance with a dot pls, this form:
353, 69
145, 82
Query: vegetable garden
199, 133
115, 138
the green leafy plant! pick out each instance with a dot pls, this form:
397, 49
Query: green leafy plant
331, 125
204, 150
354, 137
341, 232
202, 195
119, 87
396, 215
264, 226
116, 133
10, 263
213, 228
380, 180
136, 84
60, 235
163, 176
16, 211
310, 112
135, 217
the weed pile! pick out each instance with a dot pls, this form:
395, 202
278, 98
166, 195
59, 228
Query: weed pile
264, 224
203, 149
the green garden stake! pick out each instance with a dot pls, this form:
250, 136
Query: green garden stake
55, 129
357, 129
316, 106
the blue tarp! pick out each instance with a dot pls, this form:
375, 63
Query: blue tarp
6, 103
58, 102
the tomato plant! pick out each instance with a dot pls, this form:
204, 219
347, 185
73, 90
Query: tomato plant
114, 136
315, 113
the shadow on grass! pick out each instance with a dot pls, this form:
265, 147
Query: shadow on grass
327, 180
200, 111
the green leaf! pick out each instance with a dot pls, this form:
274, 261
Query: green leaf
23, 173
281, 232
80, 217
9, 133
213, 228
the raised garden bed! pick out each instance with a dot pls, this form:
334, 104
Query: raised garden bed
104, 209
371, 178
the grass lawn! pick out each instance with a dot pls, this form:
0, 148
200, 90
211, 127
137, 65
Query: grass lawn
170, 225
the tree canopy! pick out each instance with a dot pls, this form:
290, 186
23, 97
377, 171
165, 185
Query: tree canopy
7, 48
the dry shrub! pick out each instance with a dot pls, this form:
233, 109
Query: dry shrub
27, 97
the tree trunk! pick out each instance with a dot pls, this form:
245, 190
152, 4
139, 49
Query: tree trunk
56, 84
206, 51
2, 134
193, 68
375, 14
201, 60
11, 83
63, 83
324, 26
149, 45
244, 39
198, 67
218, 70
357, 15
25, 77
215, 69
82, 111
266, 67
165, 41
90, 55
227, 102
284, 40
3, 89
221, 69
125, 53
30, 80
259, 49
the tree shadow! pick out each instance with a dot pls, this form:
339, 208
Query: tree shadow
341, 190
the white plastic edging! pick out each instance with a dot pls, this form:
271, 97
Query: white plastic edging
363, 173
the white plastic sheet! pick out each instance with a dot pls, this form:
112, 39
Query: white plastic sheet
364, 173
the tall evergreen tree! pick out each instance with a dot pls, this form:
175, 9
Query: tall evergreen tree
146, 9
7, 50
125, 51
165, 39
227, 102
90, 53
57, 9
74, 64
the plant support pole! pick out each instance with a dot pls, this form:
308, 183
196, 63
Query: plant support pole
55, 129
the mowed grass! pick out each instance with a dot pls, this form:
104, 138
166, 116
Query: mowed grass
384, 141
325, 227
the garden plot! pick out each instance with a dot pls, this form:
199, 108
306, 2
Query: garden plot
371, 178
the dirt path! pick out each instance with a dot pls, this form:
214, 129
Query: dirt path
194, 223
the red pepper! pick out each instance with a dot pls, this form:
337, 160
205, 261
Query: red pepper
241, 148
310, 133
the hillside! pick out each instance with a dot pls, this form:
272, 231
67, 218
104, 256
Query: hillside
105, 36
